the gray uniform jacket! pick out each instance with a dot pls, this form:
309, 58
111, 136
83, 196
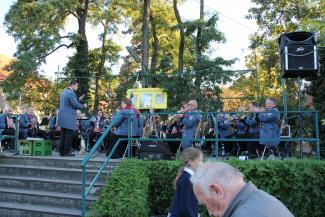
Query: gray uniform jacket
270, 127
68, 105
190, 122
252, 202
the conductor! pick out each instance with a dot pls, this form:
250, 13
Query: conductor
67, 118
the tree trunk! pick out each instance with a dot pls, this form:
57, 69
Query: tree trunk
182, 39
145, 39
81, 70
154, 58
198, 47
101, 67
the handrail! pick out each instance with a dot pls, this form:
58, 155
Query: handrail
86, 159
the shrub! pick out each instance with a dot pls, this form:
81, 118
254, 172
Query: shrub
126, 192
297, 183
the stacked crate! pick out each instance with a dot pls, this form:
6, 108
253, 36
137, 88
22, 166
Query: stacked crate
25, 147
42, 147
35, 147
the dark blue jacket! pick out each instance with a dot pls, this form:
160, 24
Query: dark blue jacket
25, 123
184, 202
253, 123
224, 127
241, 127
270, 127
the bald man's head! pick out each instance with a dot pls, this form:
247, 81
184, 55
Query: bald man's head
192, 105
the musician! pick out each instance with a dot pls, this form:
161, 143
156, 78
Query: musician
174, 129
45, 120
98, 125
240, 128
175, 125
7, 126
225, 131
190, 120
253, 129
28, 124
270, 124
54, 127
122, 128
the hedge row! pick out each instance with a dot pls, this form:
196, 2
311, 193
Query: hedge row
126, 192
143, 188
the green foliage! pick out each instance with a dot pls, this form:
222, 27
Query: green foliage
316, 89
273, 18
126, 193
299, 184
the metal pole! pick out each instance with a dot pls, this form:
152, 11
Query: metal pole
129, 135
257, 82
216, 132
83, 192
299, 116
317, 136
285, 105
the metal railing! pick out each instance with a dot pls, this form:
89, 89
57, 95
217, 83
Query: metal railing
84, 190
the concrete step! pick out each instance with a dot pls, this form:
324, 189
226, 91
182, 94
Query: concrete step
56, 161
50, 172
8, 209
45, 184
43, 198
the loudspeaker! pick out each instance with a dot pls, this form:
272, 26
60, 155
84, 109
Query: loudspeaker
298, 54
154, 151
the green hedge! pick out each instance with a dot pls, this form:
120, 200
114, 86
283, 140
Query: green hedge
126, 192
297, 183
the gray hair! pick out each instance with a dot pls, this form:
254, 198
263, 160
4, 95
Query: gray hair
216, 172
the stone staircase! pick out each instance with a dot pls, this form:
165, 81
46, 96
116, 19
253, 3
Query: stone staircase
46, 186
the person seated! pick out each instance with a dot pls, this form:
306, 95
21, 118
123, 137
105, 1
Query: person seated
175, 130
253, 130
54, 126
45, 120
28, 124
83, 125
122, 129
7, 126
98, 124
240, 128
225, 131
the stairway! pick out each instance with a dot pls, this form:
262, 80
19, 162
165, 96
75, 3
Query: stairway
46, 186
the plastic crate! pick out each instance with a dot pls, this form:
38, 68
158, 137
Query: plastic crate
42, 148
25, 147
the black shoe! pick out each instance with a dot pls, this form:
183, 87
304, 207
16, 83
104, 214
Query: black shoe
70, 154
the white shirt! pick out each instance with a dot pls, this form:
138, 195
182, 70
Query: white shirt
190, 171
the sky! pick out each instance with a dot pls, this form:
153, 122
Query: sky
231, 22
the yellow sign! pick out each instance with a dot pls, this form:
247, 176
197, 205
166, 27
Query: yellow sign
148, 98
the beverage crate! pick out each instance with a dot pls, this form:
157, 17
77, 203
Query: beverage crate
25, 147
42, 148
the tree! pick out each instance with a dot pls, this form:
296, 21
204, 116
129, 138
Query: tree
36, 26
145, 35
182, 38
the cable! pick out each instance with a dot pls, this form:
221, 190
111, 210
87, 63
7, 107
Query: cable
228, 17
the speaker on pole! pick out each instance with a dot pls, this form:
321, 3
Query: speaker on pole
298, 54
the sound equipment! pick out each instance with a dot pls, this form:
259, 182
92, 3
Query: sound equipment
154, 151
298, 54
